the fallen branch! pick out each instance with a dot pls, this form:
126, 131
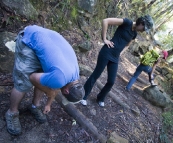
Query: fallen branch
79, 117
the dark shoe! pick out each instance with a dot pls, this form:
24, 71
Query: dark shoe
13, 123
38, 114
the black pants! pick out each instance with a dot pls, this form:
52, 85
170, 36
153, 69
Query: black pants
112, 68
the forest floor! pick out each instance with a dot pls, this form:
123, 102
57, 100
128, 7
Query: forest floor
62, 128
112, 118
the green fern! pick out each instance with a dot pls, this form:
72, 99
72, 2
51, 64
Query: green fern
74, 12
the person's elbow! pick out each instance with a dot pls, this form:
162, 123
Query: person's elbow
105, 21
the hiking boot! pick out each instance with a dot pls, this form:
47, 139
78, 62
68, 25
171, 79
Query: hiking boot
83, 102
38, 114
13, 123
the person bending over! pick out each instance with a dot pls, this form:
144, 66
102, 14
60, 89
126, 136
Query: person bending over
45, 60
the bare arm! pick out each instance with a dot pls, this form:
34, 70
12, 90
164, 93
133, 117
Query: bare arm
51, 93
105, 23
49, 101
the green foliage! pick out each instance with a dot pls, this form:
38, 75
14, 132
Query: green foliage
167, 126
166, 40
87, 36
37, 4
168, 119
164, 137
74, 12
65, 4
163, 27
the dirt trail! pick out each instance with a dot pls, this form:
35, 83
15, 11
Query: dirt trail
113, 117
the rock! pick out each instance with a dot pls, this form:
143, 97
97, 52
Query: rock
144, 43
85, 70
87, 5
143, 49
6, 54
157, 97
135, 47
2, 123
159, 69
11, 46
114, 138
2, 89
21, 7
93, 112
85, 46
135, 110
164, 71
5, 37
84, 26
169, 76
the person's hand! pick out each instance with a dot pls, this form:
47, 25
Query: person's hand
110, 44
46, 109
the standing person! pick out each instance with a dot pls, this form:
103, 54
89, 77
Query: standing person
147, 64
110, 52
43, 58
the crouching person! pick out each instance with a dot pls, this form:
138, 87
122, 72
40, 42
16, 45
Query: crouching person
45, 60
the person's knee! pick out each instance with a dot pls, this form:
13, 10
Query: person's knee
35, 78
17, 92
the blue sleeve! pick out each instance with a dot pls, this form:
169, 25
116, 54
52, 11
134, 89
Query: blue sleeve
54, 79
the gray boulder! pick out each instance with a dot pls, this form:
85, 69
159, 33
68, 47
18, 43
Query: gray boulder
115, 138
85, 70
21, 7
85, 46
157, 97
87, 5
6, 54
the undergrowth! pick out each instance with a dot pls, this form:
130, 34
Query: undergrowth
167, 126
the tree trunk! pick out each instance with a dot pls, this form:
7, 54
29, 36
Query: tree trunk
166, 20
167, 10
148, 6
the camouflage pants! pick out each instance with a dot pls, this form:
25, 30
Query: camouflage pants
26, 63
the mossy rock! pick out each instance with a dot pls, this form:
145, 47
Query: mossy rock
157, 97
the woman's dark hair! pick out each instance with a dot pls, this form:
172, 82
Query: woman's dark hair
146, 21
140, 21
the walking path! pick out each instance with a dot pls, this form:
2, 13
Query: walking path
89, 123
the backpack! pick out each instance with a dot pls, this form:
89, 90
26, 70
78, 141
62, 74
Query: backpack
149, 58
